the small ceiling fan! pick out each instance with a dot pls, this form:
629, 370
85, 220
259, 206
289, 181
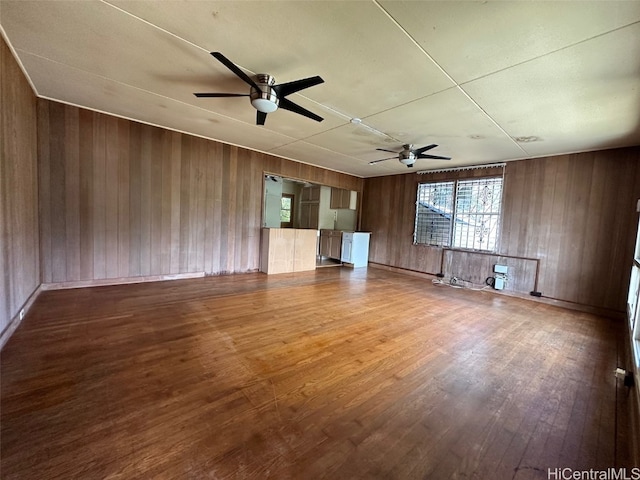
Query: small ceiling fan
409, 155
265, 95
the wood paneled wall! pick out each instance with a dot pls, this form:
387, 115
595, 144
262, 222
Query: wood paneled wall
575, 213
476, 267
119, 199
19, 251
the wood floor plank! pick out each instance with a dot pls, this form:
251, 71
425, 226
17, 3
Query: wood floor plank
337, 373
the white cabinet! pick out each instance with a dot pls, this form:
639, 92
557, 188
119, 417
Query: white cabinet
355, 248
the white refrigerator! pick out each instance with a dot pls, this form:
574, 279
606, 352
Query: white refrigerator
355, 248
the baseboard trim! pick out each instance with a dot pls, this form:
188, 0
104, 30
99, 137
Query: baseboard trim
119, 281
604, 312
405, 271
16, 320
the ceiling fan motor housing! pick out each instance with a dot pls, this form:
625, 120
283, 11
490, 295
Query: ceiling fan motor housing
264, 100
407, 156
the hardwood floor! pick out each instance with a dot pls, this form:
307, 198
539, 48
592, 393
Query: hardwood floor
336, 374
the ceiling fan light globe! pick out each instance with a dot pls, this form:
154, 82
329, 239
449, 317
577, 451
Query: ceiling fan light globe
265, 99
408, 161
264, 105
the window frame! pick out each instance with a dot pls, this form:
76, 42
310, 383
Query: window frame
450, 242
291, 198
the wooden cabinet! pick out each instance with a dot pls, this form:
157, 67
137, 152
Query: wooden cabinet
335, 250
311, 194
310, 207
288, 250
331, 243
340, 198
309, 215
325, 245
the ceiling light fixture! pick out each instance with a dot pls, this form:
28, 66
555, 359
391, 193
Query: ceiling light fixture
264, 100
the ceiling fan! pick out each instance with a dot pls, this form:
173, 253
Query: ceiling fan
409, 155
265, 95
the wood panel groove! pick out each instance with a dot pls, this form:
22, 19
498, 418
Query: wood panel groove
72, 194
98, 155
58, 196
86, 207
112, 151
44, 192
124, 199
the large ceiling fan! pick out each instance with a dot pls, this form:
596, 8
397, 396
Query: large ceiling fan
409, 155
265, 95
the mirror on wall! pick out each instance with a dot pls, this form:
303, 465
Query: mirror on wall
292, 203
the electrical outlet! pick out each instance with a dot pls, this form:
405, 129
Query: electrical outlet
21, 314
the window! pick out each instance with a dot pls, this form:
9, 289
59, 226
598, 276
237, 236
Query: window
286, 211
459, 214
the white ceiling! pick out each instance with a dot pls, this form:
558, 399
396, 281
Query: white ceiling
486, 81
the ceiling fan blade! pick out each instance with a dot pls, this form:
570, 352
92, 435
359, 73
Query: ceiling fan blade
435, 157
383, 160
424, 149
385, 150
205, 95
288, 88
260, 117
235, 69
287, 104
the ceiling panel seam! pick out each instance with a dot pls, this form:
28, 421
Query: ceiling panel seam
537, 57
444, 72
153, 25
